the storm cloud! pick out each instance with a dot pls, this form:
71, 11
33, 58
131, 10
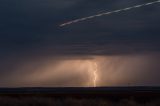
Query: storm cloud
31, 39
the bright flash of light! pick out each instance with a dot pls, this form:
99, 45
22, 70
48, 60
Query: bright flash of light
108, 13
95, 74
93, 71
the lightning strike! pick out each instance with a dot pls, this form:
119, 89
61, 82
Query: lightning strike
95, 75
108, 13
93, 72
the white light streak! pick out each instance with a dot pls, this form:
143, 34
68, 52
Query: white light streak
107, 13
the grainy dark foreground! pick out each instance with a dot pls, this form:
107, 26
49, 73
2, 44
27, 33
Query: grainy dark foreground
71, 96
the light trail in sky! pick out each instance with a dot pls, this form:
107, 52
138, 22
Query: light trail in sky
108, 13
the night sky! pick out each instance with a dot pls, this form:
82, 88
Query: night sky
35, 51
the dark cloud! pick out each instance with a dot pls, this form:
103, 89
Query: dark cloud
35, 23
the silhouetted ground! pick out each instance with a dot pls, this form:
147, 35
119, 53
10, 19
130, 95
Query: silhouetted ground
101, 96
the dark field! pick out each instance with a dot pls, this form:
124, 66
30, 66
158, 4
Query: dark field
101, 96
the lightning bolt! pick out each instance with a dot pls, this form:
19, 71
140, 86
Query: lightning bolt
93, 72
95, 75
108, 13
